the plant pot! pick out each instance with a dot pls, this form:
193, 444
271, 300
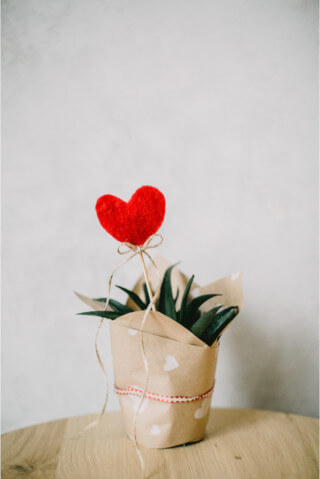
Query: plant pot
181, 367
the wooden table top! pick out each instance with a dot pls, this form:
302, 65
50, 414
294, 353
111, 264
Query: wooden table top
239, 443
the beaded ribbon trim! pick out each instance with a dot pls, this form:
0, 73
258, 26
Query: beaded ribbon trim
135, 391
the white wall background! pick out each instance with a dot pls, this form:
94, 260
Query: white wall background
213, 102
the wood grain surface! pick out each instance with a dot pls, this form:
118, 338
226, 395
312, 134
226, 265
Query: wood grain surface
239, 444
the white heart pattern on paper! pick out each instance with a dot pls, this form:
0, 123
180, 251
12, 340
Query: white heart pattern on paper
235, 276
202, 411
155, 430
170, 363
132, 332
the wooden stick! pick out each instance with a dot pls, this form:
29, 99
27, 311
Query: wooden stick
147, 279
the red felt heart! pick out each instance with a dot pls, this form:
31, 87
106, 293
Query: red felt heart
133, 222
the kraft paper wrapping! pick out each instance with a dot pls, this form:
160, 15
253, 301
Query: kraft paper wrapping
179, 363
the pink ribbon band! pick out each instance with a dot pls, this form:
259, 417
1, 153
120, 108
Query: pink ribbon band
134, 391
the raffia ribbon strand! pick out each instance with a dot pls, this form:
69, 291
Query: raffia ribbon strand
135, 250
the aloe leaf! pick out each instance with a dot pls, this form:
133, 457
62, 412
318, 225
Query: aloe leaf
182, 312
135, 298
166, 301
176, 298
121, 308
115, 305
220, 321
204, 322
103, 314
193, 306
146, 293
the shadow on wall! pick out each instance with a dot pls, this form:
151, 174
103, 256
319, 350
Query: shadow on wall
269, 370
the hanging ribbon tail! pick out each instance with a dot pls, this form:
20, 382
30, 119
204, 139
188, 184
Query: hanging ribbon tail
133, 250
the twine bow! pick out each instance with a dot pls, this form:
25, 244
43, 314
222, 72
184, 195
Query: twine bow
141, 250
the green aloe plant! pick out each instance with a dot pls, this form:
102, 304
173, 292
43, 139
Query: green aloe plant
207, 326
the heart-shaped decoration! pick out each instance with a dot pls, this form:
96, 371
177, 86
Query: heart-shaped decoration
132, 332
170, 363
133, 222
203, 410
155, 430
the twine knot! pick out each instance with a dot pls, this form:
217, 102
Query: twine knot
137, 249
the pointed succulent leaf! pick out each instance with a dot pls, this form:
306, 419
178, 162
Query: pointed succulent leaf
121, 308
220, 321
204, 322
176, 298
166, 301
135, 298
115, 305
195, 318
183, 307
102, 314
193, 306
146, 293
